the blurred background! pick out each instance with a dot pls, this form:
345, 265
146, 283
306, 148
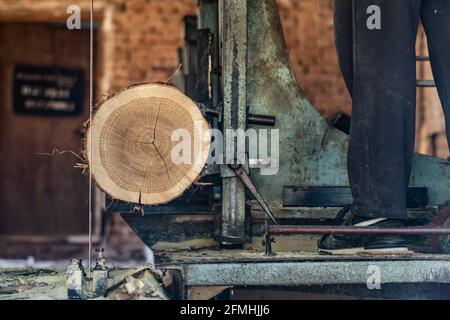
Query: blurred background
44, 200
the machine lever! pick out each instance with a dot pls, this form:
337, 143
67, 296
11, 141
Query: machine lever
240, 172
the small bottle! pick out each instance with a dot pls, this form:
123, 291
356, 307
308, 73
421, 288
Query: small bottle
100, 274
75, 280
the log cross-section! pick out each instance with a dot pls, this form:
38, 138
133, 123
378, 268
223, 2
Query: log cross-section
130, 144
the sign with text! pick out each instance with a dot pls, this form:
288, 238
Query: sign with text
48, 90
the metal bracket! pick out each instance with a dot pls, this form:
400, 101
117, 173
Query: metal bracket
243, 176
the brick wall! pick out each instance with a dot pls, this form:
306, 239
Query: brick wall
147, 35
430, 133
308, 28
149, 32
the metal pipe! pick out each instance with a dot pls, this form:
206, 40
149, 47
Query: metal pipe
262, 120
257, 119
286, 229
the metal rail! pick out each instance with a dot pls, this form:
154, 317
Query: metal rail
290, 229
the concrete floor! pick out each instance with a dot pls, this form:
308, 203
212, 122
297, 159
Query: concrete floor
251, 274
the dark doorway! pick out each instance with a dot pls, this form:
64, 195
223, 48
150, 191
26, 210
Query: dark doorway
41, 195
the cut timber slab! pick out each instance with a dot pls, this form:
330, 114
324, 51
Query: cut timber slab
129, 144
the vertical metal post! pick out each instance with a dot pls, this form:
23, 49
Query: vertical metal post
209, 19
234, 77
91, 106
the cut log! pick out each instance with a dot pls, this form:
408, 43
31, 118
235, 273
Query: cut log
130, 145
